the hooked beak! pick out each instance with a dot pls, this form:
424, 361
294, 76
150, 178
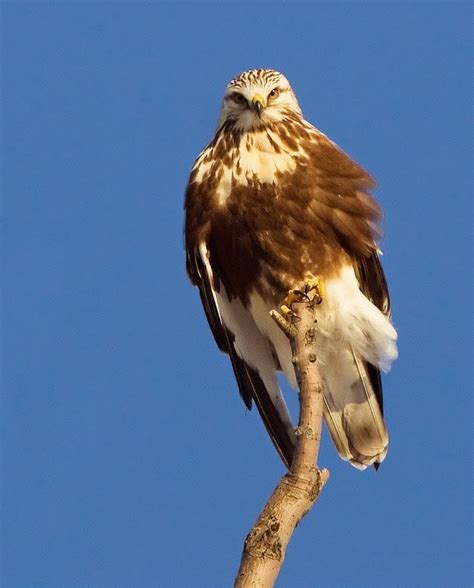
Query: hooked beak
258, 103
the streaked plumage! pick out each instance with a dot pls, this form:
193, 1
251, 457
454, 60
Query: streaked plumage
269, 199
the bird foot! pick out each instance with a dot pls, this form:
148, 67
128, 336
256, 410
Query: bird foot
293, 295
288, 314
316, 283
311, 283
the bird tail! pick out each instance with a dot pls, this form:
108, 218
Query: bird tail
353, 409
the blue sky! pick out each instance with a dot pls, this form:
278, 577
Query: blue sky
127, 456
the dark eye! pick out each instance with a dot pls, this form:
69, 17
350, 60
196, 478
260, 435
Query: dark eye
274, 93
239, 98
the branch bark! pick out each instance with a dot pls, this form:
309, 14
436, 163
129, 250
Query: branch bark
265, 545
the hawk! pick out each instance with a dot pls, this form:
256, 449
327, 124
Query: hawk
269, 200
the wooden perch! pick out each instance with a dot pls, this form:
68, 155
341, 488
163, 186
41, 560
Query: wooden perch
265, 545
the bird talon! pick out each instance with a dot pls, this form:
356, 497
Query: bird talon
295, 296
301, 296
316, 283
288, 314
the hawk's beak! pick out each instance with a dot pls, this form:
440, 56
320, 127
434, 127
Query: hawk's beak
258, 103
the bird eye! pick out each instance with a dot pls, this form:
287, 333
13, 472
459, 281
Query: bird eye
239, 98
274, 93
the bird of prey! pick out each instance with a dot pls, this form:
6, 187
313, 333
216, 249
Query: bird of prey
269, 201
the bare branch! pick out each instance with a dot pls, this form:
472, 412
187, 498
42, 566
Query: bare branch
265, 545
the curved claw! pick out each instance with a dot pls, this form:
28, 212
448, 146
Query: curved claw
311, 283
315, 283
301, 296
289, 314
295, 296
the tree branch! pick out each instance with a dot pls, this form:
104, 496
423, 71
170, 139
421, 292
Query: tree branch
265, 545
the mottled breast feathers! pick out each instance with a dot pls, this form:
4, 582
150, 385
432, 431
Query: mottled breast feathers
272, 202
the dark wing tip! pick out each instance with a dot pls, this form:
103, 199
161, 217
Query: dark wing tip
251, 387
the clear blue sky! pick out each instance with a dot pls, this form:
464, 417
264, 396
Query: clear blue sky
127, 456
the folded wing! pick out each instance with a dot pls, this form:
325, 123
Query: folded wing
250, 352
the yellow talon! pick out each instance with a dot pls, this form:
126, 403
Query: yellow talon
285, 310
287, 313
292, 296
312, 282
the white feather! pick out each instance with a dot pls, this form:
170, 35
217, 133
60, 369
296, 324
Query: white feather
260, 311
352, 410
350, 327
258, 159
250, 344
348, 317
345, 319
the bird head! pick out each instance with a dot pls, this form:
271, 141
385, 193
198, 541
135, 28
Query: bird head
257, 98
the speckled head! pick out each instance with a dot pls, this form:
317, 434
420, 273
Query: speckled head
257, 97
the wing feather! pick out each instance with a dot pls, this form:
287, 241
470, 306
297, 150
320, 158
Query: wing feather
258, 385
373, 285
